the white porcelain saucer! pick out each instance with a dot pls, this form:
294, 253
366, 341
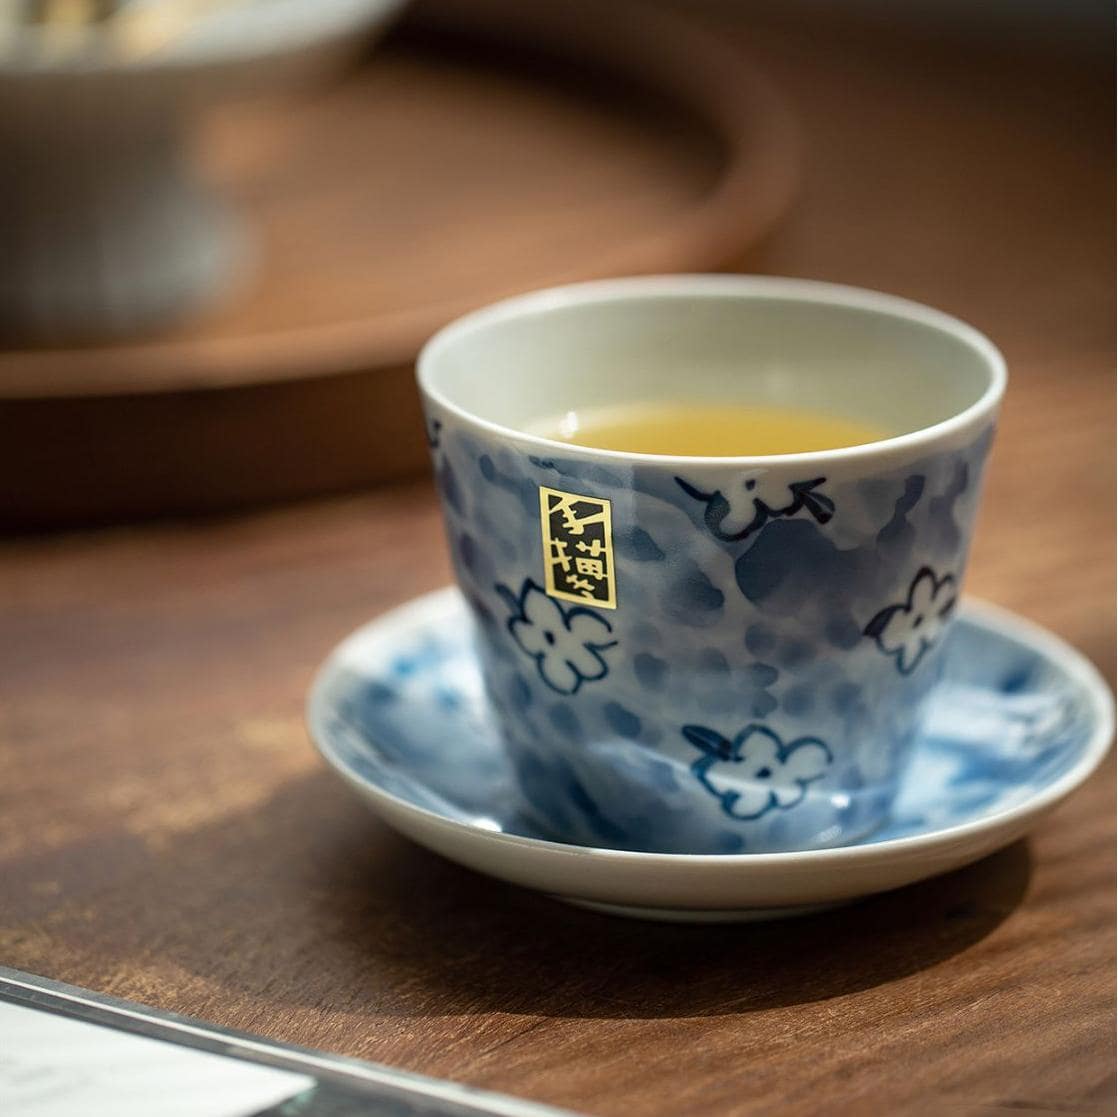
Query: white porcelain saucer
399, 712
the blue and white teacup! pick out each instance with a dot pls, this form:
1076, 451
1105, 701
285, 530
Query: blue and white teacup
740, 658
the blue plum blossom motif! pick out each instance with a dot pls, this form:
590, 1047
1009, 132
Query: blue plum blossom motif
908, 629
755, 500
566, 644
756, 772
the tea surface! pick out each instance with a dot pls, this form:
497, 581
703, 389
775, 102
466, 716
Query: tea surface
708, 430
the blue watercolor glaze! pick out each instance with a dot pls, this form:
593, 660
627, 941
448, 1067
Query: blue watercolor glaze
760, 641
650, 670
565, 720
1002, 725
621, 721
814, 604
692, 594
763, 674
638, 546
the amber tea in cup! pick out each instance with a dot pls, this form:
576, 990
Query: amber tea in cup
705, 430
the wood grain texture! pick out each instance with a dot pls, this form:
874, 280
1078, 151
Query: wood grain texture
169, 836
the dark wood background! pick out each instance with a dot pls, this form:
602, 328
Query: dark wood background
168, 835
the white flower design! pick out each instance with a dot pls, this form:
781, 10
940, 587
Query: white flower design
756, 772
567, 644
907, 630
754, 499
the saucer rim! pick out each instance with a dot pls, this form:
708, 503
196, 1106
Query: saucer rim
993, 618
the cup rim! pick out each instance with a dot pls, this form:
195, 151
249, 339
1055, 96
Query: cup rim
753, 287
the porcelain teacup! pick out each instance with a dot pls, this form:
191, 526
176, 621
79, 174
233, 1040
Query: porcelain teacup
710, 654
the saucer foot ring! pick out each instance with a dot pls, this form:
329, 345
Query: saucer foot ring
701, 915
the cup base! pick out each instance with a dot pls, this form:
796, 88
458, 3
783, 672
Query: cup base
623, 795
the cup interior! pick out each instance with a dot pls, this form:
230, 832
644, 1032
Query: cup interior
894, 365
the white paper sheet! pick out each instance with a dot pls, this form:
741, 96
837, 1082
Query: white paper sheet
54, 1066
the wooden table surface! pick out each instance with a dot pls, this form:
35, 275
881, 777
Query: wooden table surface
169, 836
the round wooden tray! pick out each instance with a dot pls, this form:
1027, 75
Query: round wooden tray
483, 149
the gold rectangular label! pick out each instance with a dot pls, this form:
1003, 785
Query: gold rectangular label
578, 548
